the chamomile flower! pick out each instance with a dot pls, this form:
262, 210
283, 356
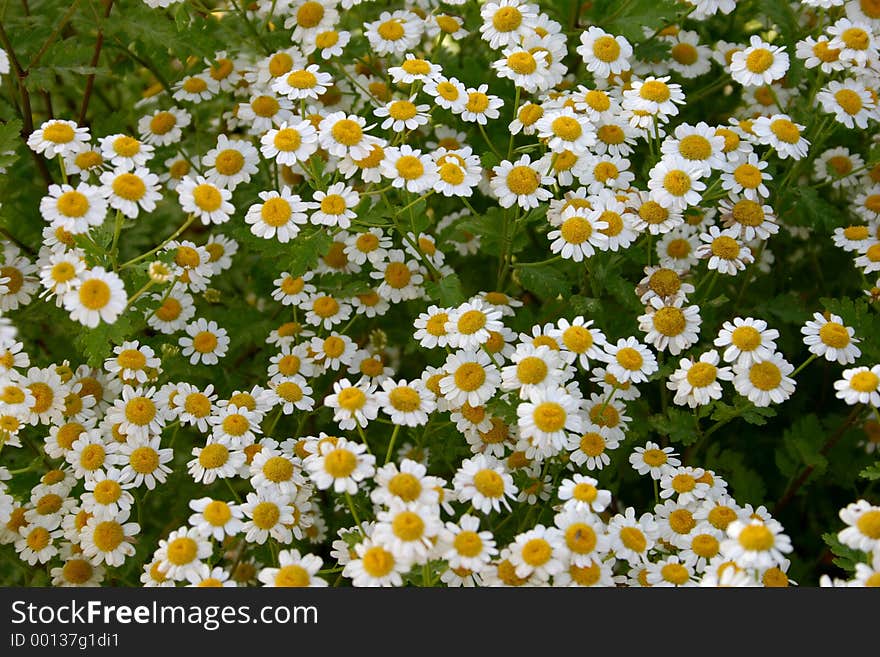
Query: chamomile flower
631, 538
204, 342
353, 405
746, 175
855, 40
109, 540
290, 143
394, 32
163, 127
132, 362
480, 106
409, 169
230, 163
850, 102
335, 207
374, 565
279, 216
764, 381
402, 115
755, 544
471, 377
577, 234
537, 553
302, 83
76, 210
527, 69
859, 385
205, 200
675, 183
196, 88
131, 190
604, 54
863, 526
484, 482
746, 340
401, 277
629, 360
582, 495
655, 96
341, 465
406, 403
827, 336
325, 310
294, 570
57, 137
759, 63
670, 326
182, 554
697, 383
521, 182
96, 296
724, 250
782, 134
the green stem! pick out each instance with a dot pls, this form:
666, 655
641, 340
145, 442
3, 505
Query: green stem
174, 236
391, 442
803, 365
354, 514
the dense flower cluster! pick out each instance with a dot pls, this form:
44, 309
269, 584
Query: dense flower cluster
372, 183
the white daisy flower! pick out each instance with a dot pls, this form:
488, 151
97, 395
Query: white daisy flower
204, 342
764, 381
827, 336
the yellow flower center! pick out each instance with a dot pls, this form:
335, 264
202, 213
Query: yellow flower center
834, 335
408, 526
265, 106
128, 186
73, 204
684, 53
391, 30
292, 576
340, 463
302, 79
469, 376
765, 375
756, 538
131, 359
531, 370
477, 103
207, 197
108, 535
669, 321
675, 573
194, 85
630, 359
405, 486
402, 110
677, 182
266, 515
855, 38
725, 248
489, 483
682, 521
409, 167
126, 146
77, 571
869, 524
140, 411
865, 381
606, 49
310, 14
695, 147
217, 513
522, 62
536, 552
655, 91
213, 456
58, 133
325, 307
182, 550
404, 399
507, 19
721, 516
759, 60
702, 374
849, 100
785, 131
378, 562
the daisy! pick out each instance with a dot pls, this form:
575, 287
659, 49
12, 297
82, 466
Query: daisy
581, 539
577, 234
855, 40
764, 381
458, 171
759, 63
565, 130
230, 163
655, 96
412, 69
463, 545
324, 310
850, 102
629, 360
402, 115
480, 106
237, 423
294, 570
205, 200
756, 544
859, 385
108, 540
521, 182
375, 565
507, 22
631, 538
196, 88
303, 83
97, 295
471, 377
220, 458
431, 329
409, 531
340, 465
662, 282
406, 403
342, 135
582, 495
782, 134
61, 272
354, 405
133, 362
409, 169
604, 54
76, 210
106, 495
131, 191
670, 571
534, 553
290, 143
863, 526
699, 144
746, 340
181, 555
528, 70
275, 470
828, 337
484, 482
163, 127
204, 342
293, 290
675, 183
56, 137
670, 327
394, 33
408, 484
725, 253
335, 207
697, 383
689, 58
77, 571
124, 152
401, 278
143, 462
746, 175
279, 216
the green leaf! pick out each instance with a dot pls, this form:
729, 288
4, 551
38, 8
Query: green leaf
872, 472
638, 15
97, 343
863, 320
801, 447
845, 557
306, 249
447, 291
10, 138
680, 426
546, 281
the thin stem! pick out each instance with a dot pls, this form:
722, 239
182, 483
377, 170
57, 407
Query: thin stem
174, 236
354, 514
803, 365
114, 246
391, 442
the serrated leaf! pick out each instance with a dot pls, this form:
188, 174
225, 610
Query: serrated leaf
680, 426
872, 472
447, 291
801, 447
845, 557
305, 250
546, 281
10, 138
